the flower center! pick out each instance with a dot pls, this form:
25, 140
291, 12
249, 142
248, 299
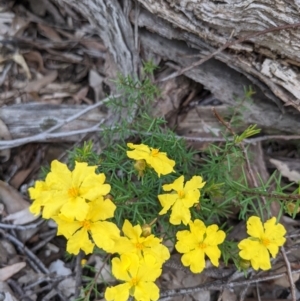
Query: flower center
154, 152
180, 193
73, 192
134, 281
265, 241
202, 245
86, 225
139, 246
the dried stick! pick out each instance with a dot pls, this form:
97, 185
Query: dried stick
289, 273
43, 242
25, 250
88, 294
78, 276
228, 44
248, 141
21, 227
136, 37
219, 285
41, 136
45, 137
258, 293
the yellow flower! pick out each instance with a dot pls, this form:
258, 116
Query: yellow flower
103, 233
133, 241
139, 275
68, 192
181, 199
263, 239
197, 243
153, 157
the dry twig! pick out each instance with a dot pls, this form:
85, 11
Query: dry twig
219, 285
44, 136
289, 273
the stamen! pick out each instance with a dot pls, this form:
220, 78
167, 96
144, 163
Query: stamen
86, 224
202, 246
180, 193
265, 241
134, 281
73, 192
154, 152
139, 246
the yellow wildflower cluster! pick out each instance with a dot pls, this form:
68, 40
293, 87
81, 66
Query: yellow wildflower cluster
77, 201
197, 242
182, 197
139, 265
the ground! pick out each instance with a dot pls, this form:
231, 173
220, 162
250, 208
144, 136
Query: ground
55, 70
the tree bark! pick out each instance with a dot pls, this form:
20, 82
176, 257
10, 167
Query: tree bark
185, 31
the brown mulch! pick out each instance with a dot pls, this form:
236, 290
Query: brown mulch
52, 56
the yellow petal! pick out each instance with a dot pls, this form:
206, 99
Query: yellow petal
133, 233
80, 240
214, 236
146, 291
255, 227
118, 293
275, 232
141, 151
273, 248
195, 260
75, 208
177, 185
262, 260
93, 187
249, 248
180, 214
191, 198
167, 201
214, 254
101, 209
65, 226
196, 182
52, 208
60, 176
105, 234
185, 241
123, 245
198, 229
159, 251
120, 267
149, 268
161, 163
81, 172
41, 194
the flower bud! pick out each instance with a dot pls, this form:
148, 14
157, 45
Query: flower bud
146, 230
83, 262
244, 264
109, 196
290, 208
140, 166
